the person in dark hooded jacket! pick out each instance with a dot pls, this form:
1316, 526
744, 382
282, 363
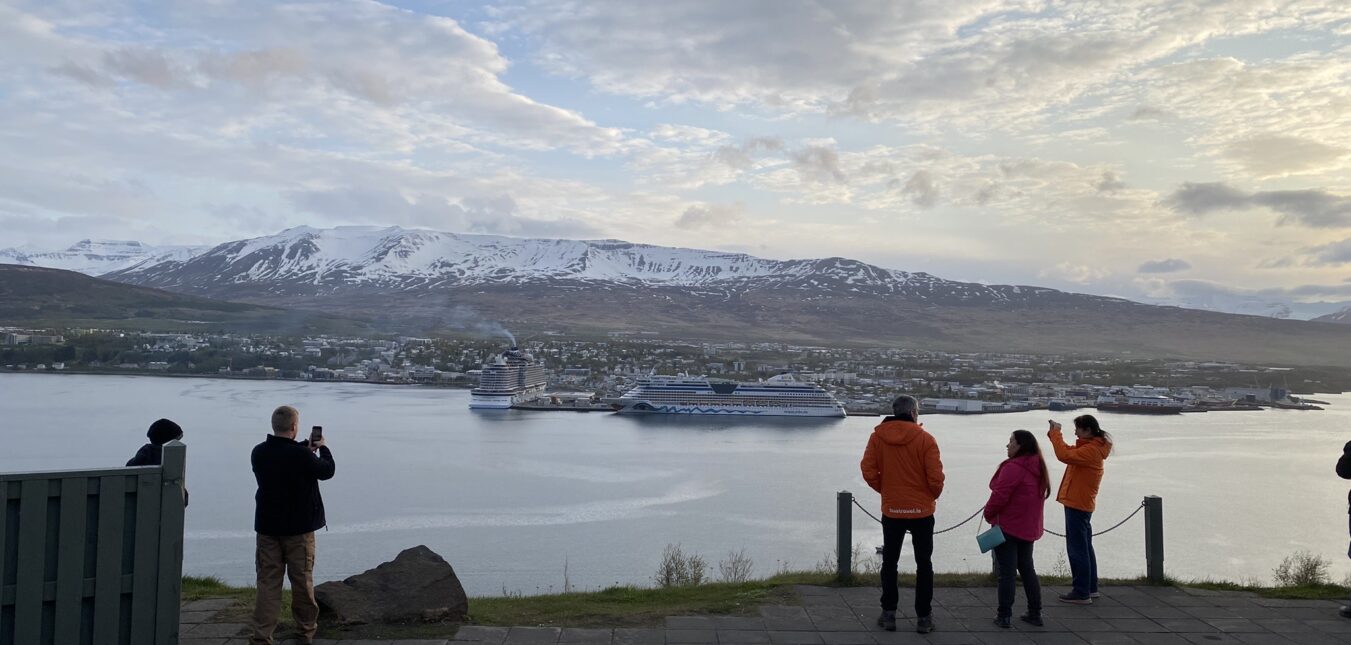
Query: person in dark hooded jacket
1344, 471
161, 432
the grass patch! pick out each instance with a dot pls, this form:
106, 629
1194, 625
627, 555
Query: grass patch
200, 587
1297, 592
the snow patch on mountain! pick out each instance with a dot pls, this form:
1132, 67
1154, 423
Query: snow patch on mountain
310, 260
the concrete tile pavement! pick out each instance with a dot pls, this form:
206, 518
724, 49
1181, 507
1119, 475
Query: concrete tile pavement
847, 616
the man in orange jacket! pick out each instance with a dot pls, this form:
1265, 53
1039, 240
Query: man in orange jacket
902, 463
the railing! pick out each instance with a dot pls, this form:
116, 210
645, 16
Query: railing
1152, 506
92, 557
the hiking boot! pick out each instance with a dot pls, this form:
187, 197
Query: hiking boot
1075, 599
887, 621
924, 624
1003, 621
1094, 594
1033, 619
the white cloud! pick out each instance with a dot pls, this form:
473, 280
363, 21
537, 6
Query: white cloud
1081, 274
1170, 265
710, 216
972, 63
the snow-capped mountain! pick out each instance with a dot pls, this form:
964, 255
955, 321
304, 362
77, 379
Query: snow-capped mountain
97, 257
418, 281
308, 261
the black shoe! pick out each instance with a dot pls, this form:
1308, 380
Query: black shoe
887, 621
924, 624
1345, 611
1033, 619
1075, 599
1003, 621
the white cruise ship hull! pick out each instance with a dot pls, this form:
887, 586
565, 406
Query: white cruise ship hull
501, 401
490, 401
645, 407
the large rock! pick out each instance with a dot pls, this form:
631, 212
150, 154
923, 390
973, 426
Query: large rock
418, 585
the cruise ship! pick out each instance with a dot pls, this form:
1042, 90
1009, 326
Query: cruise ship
508, 378
780, 396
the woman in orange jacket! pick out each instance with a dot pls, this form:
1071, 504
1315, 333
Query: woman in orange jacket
1078, 493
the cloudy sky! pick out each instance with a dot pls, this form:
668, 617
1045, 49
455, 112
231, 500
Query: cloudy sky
1195, 152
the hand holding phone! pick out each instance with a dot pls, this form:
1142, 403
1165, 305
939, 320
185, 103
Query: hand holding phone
316, 437
1054, 425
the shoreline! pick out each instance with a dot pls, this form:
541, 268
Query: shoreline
531, 407
224, 377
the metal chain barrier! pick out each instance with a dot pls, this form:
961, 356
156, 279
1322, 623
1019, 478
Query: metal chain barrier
979, 510
950, 528
1113, 527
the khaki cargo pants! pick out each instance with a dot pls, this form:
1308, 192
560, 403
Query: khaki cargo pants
291, 556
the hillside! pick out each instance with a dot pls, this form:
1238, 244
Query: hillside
33, 296
427, 281
1341, 317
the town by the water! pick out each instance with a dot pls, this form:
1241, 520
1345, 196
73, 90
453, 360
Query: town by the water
596, 374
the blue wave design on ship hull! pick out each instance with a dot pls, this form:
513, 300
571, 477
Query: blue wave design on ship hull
671, 409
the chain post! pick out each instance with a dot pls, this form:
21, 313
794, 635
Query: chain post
1154, 539
844, 535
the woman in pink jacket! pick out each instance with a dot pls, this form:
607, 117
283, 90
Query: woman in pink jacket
1018, 491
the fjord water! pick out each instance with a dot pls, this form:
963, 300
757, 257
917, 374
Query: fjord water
522, 501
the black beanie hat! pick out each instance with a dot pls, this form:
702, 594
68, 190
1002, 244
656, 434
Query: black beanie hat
163, 431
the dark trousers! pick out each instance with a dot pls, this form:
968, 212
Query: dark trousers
893, 536
1079, 550
1015, 557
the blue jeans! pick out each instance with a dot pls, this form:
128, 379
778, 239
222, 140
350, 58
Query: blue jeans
1079, 550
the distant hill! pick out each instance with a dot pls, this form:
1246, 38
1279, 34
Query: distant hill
35, 296
419, 281
1341, 317
96, 257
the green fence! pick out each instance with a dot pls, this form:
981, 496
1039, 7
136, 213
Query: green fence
92, 557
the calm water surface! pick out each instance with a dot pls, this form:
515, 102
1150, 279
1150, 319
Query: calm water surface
512, 498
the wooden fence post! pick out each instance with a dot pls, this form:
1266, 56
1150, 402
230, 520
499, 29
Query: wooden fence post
173, 493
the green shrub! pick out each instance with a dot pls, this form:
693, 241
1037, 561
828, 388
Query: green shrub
1302, 568
680, 570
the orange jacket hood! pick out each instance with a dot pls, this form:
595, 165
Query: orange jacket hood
903, 464
899, 432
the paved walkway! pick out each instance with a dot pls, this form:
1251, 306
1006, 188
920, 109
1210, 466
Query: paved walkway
830, 616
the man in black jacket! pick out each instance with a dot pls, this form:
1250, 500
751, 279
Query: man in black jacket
287, 513
1344, 471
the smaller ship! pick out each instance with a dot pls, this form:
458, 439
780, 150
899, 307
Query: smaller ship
1134, 402
1062, 405
508, 378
